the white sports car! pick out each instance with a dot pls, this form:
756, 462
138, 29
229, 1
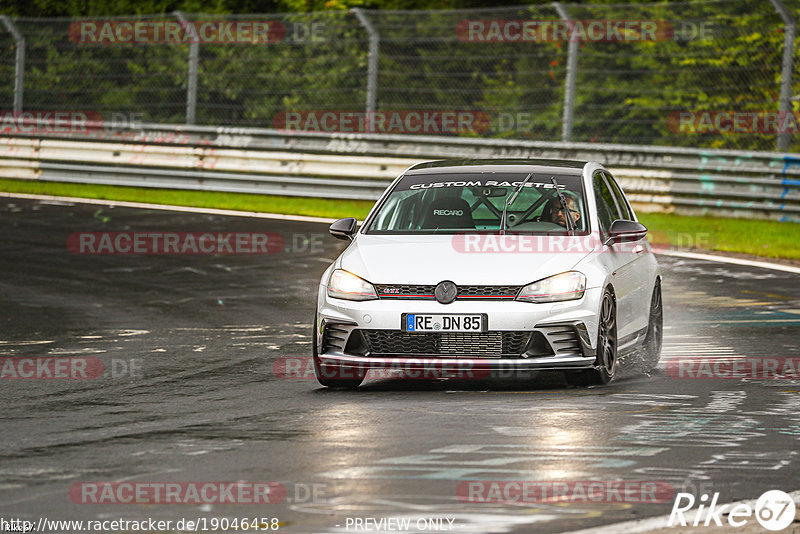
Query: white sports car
488, 266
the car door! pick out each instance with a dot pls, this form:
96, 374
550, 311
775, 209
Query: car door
617, 258
641, 265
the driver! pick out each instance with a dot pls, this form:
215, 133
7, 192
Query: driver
554, 211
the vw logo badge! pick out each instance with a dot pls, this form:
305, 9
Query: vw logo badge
445, 292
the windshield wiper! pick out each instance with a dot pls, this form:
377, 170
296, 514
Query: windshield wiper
510, 201
563, 199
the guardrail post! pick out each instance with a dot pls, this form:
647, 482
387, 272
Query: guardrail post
19, 61
569, 83
782, 144
372, 65
191, 82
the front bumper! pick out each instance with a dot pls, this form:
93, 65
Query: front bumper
561, 335
460, 367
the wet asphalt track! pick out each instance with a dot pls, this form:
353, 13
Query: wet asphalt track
204, 402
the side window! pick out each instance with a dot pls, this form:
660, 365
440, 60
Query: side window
623, 205
606, 208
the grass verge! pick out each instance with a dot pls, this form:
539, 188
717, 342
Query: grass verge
768, 239
314, 207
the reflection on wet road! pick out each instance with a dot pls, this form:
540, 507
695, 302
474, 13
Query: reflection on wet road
188, 392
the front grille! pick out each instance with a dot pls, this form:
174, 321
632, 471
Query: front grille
486, 344
412, 291
405, 291
488, 292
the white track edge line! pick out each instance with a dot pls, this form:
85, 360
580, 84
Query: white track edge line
735, 261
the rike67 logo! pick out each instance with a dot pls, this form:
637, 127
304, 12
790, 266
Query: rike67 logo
774, 511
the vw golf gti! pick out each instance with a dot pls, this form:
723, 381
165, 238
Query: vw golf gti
491, 265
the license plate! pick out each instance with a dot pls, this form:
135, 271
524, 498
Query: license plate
425, 322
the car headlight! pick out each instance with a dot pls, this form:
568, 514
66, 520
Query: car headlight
345, 285
565, 286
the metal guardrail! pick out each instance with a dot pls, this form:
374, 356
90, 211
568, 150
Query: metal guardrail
359, 166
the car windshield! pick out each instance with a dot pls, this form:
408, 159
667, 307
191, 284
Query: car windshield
455, 203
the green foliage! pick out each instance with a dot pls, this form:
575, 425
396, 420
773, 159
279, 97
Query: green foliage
626, 91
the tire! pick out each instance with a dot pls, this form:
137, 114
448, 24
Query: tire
606, 362
651, 349
333, 375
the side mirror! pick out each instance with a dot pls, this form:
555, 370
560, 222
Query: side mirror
344, 228
622, 230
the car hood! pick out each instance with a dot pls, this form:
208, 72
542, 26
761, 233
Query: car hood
488, 260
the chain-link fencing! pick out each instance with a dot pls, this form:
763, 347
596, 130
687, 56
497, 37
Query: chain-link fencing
709, 73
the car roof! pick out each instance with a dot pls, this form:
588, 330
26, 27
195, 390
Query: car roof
560, 166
